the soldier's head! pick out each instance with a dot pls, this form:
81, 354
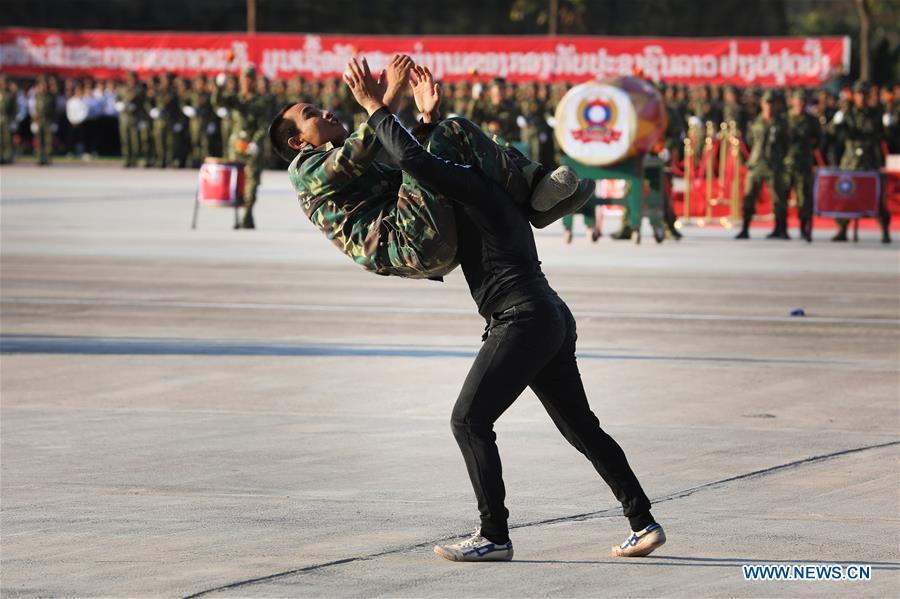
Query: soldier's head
247, 79
300, 125
3, 83
767, 104
730, 95
798, 101
497, 91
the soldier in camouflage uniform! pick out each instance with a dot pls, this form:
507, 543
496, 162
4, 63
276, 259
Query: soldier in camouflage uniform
165, 111
732, 110
804, 136
130, 105
206, 139
497, 114
181, 134
250, 115
8, 110
823, 111
862, 131
224, 101
43, 119
768, 138
383, 219
462, 102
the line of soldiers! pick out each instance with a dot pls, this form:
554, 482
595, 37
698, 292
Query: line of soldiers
172, 121
784, 136
176, 122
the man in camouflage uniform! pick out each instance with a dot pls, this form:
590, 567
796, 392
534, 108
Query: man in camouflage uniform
43, 119
181, 133
732, 110
385, 220
823, 111
768, 138
804, 136
8, 111
206, 138
250, 115
165, 112
462, 102
130, 102
497, 114
224, 101
862, 131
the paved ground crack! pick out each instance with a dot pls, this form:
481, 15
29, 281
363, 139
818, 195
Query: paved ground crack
573, 518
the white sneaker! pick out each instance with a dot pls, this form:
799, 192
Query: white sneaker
476, 549
641, 543
554, 188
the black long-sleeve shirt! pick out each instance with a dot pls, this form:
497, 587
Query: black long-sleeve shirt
496, 243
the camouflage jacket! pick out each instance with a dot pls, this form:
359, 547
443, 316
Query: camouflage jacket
768, 143
8, 106
804, 135
250, 118
373, 213
44, 107
863, 131
133, 97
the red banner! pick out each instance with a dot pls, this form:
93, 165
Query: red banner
762, 62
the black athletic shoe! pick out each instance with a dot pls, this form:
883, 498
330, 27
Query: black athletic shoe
623, 234
744, 234
583, 193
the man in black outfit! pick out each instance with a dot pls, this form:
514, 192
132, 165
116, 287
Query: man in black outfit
529, 339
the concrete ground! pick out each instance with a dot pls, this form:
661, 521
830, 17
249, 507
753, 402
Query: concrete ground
246, 413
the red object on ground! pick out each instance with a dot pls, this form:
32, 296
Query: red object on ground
847, 194
221, 184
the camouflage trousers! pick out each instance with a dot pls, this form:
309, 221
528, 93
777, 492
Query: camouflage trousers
6, 145
253, 164
129, 138
756, 178
164, 141
44, 139
421, 236
801, 182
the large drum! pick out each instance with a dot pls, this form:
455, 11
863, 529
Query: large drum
602, 123
221, 183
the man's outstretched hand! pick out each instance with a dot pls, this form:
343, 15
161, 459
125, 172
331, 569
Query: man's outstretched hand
397, 74
426, 92
367, 90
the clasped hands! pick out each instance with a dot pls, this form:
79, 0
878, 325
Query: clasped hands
373, 92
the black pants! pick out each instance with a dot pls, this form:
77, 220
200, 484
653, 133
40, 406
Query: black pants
533, 344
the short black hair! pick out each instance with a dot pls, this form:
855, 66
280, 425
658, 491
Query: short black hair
280, 131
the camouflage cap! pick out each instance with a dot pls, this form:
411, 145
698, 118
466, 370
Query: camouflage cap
249, 70
798, 93
861, 86
768, 96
